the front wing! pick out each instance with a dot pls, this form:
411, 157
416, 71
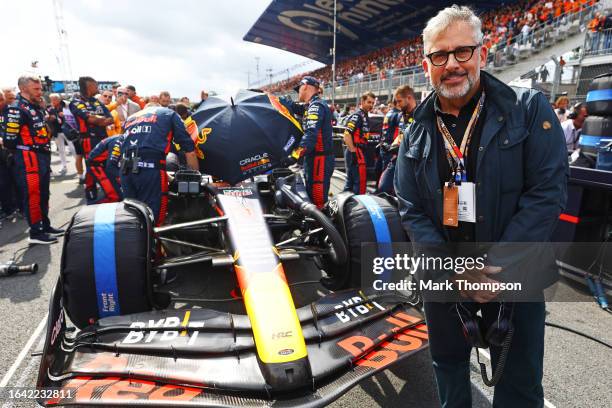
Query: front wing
202, 357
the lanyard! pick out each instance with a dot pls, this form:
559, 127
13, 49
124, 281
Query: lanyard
454, 154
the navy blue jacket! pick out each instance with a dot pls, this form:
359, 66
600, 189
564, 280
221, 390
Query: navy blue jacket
521, 171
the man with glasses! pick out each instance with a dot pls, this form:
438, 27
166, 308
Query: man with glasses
500, 152
125, 107
106, 98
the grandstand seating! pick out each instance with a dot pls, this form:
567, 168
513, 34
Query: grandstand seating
549, 22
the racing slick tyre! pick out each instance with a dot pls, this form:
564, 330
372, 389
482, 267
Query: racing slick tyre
595, 130
106, 262
599, 96
357, 217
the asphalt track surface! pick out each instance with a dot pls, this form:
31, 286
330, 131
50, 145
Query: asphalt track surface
577, 370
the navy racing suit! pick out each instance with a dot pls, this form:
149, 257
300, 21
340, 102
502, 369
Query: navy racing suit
89, 135
103, 163
27, 135
149, 135
385, 183
358, 127
316, 147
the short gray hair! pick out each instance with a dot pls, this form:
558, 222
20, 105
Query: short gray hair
55, 96
26, 79
450, 15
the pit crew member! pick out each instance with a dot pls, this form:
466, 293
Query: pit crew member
316, 145
26, 134
103, 165
149, 135
92, 118
356, 137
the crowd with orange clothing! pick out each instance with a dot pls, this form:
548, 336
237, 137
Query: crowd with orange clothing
501, 26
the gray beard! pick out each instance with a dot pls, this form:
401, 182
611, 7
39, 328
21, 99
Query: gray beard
445, 92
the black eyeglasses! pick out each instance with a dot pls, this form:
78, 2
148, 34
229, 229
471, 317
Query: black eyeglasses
121, 93
462, 54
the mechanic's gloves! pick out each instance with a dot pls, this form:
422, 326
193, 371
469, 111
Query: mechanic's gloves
298, 153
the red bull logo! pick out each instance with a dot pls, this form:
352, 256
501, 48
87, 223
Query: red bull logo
200, 140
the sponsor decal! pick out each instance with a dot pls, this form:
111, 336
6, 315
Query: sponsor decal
368, 353
173, 322
353, 308
282, 109
140, 129
285, 352
237, 192
201, 139
57, 327
258, 161
282, 335
135, 119
13, 125
290, 143
118, 391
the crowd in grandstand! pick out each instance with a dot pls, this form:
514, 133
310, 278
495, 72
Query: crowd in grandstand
513, 23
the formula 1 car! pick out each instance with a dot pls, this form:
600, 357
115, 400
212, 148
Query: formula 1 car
249, 296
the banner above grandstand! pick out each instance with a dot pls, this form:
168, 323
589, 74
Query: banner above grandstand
305, 27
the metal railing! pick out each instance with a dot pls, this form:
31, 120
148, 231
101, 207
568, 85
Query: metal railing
541, 36
598, 43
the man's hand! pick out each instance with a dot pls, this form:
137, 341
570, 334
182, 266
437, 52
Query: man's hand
192, 161
384, 146
479, 276
348, 141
